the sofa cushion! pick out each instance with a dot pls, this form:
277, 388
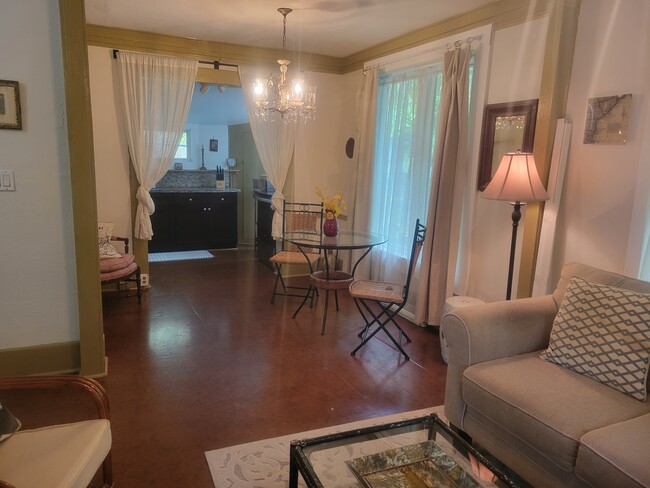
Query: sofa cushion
616, 455
66, 455
603, 332
543, 405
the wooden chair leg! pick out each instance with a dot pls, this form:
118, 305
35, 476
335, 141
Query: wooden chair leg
138, 284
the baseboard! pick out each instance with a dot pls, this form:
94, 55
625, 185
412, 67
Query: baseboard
57, 358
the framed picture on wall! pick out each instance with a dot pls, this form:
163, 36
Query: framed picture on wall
214, 145
10, 117
608, 119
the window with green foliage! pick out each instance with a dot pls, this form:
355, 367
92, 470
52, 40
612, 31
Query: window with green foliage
183, 149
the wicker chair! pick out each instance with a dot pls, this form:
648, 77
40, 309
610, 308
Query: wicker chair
305, 219
390, 297
63, 454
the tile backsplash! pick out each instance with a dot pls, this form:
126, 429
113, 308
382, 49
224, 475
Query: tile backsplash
189, 178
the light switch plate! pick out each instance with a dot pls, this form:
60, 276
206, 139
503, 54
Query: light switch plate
7, 182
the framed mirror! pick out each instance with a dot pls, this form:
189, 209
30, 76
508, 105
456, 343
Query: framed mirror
507, 127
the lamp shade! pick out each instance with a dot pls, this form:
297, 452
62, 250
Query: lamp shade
516, 180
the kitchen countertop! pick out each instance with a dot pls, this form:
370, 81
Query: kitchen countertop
195, 190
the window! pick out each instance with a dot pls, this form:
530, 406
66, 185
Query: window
183, 149
407, 121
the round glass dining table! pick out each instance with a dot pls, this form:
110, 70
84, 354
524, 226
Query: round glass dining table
345, 240
331, 279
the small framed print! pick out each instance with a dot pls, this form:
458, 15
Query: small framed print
608, 119
10, 117
214, 145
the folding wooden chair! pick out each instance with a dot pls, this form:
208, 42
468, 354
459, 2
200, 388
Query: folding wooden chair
305, 220
390, 297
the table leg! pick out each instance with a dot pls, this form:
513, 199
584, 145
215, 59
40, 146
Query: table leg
293, 473
327, 296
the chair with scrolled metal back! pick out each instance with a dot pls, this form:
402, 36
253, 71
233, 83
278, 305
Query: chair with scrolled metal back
390, 297
306, 221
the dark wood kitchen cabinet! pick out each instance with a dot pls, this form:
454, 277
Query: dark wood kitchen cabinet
264, 242
193, 221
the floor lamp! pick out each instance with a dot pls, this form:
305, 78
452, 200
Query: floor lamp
516, 181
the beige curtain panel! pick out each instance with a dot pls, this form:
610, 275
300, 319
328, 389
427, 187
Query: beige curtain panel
436, 272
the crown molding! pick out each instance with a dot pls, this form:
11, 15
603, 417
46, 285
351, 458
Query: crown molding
132, 40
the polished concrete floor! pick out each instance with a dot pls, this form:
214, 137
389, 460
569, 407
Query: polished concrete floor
207, 362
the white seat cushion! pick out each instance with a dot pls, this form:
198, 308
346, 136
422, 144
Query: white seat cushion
66, 455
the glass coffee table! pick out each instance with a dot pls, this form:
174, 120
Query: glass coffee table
420, 453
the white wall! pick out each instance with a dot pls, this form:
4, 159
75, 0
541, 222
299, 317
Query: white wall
515, 74
604, 182
38, 300
111, 150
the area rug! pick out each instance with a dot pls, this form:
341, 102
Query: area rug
161, 257
265, 463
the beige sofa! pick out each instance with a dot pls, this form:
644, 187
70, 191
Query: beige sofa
552, 426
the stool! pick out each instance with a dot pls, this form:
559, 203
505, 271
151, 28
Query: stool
451, 304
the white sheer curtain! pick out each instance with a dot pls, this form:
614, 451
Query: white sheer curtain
275, 143
407, 119
156, 98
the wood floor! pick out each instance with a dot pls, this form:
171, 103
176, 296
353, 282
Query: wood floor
207, 362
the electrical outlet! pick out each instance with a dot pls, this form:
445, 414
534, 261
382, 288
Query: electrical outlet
144, 279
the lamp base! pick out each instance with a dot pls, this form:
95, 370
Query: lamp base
516, 217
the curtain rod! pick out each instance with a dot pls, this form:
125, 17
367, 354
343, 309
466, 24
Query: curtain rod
450, 46
215, 64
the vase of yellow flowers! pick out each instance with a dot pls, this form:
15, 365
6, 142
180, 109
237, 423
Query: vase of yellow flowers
333, 207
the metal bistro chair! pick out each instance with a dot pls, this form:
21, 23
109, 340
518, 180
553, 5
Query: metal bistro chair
391, 298
304, 220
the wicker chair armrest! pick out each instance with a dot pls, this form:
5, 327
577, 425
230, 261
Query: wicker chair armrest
87, 385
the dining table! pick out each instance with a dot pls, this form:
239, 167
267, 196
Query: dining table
329, 278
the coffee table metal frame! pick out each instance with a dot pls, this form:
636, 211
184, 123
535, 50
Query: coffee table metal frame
299, 457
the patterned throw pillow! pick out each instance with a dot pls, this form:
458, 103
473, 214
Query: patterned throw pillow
106, 250
604, 333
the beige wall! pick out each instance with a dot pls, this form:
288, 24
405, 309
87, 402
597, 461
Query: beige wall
320, 158
605, 182
38, 291
515, 74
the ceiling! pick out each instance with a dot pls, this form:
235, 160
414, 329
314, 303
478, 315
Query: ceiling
330, 27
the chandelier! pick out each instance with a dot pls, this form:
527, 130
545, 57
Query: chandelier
292, 100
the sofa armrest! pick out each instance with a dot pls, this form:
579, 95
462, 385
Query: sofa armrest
491, 331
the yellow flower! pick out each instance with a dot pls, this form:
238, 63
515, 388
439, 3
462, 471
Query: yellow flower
334, 206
